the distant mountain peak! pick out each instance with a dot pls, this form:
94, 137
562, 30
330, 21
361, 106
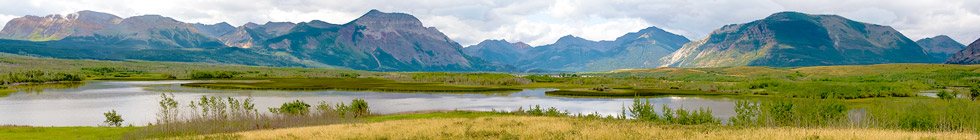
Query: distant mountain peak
940, 47
521, 45
570, 38
223, 24
251, 25
941, 37
379, 19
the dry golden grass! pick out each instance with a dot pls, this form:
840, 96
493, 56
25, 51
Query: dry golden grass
524, 127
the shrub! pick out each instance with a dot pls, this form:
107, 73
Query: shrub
113, 119
349, 75
943, 94
643, 110
292, 108
168, 109
974, 92
601, 88
214, 74
358, 108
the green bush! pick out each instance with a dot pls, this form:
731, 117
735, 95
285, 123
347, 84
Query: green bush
358, 108
644, 110
943, 94
974, 92
349, 75
292, 108
113, 119
486, 79
214, 74
39, 77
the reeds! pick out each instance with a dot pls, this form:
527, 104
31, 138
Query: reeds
209, 115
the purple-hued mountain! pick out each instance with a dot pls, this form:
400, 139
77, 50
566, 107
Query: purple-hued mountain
57, 27
378, 41
636, 50
375, 41
969, 55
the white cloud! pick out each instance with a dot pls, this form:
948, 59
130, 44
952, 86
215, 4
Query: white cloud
543, 21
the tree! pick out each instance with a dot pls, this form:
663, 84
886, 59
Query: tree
974, 92
943, 94
360, 107
292, 108
113, 119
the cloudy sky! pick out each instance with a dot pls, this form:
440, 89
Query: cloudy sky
540, 22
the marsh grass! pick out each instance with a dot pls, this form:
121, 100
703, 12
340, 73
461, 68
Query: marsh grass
347, 84
61, 133
210, 115
956, 115
40, 87
628, 92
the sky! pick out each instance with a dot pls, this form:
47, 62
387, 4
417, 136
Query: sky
541, 22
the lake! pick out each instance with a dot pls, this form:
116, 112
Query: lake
137, 102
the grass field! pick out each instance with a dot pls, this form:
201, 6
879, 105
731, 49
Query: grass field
633, 92
62, 133
527, 127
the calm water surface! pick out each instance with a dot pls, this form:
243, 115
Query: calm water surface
137, 101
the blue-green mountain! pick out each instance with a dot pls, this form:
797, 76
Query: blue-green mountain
940, 47
791, 39
634, 50
376, 41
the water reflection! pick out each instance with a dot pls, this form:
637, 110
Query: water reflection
38, 88
136, 101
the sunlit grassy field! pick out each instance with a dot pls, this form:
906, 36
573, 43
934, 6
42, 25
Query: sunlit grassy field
62, 133
633, 92
526, 127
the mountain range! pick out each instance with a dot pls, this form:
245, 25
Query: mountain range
792, 39
376, 41
634, 50
380, 41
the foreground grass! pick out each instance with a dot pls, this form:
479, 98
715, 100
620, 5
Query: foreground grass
62, 133
527, 127
350, 84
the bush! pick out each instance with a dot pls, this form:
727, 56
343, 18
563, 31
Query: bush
974, 92
358, 108
943, 94
349, 75
292, 108
643, 110
39, 77
485, 79
214, 74
601, 88
113, 119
